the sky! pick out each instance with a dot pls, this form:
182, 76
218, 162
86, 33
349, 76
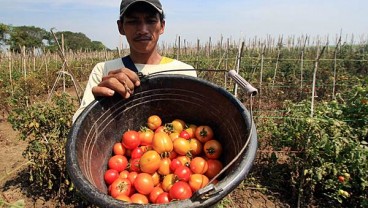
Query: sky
198, 19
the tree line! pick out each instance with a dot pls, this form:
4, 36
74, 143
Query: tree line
30, 37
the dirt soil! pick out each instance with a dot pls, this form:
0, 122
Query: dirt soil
14, 184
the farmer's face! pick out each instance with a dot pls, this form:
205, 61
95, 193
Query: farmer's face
142, 30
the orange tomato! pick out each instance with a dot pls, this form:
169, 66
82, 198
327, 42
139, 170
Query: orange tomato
178, 125
146, 136
118, 149
123, 197
168, 181
181, 146
144, 183
198, 165
162, 143
150, 162
139, 198
195, 146
203, 133
191, 129
153, 122
173, 136
197, 181
156, 178
212, 149
164, 168
184, 160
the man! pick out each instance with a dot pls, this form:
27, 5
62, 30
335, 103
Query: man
142, 23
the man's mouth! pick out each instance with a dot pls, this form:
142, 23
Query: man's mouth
143, 38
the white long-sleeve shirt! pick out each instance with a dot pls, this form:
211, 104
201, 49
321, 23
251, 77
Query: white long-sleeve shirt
103, 68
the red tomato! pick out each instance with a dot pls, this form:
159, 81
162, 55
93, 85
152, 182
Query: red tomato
144, 183
214, 167
195, 147
163, 198
180, 190
181, 146
174, 164
173, 155
139, 198
118, 162
164, 168
183, 173
118, 149
146, 136
198, 165
162, 143
110, 176
197, 181
134, 165
184, 134
131, 139
150, 162
153, 122
120, 186
212, 149
203, 133
154, 194
123, 197
136, 153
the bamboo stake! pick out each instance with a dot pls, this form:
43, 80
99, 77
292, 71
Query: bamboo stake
319, 54
334, 69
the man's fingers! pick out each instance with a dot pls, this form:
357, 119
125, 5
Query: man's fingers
106, 87
102, 91
126, 74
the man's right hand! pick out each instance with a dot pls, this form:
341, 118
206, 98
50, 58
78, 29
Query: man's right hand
122, 81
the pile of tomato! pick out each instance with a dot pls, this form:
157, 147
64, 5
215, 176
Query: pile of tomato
162, 162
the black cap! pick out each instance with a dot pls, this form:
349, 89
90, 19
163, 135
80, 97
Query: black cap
125, 4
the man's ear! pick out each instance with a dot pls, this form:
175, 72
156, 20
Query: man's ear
162, 27
120, 27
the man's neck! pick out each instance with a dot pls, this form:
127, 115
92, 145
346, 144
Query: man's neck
151, 58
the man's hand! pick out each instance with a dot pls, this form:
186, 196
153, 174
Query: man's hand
121, 81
